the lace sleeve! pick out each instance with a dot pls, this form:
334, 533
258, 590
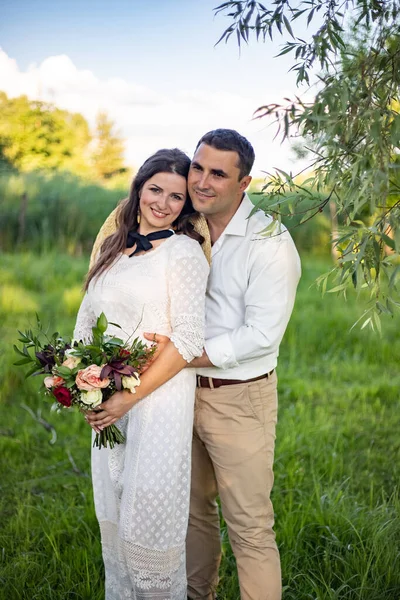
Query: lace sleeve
188, 272
85, 320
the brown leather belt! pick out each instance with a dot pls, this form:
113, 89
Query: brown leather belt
211, 382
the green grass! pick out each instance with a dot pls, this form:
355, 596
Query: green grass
336, 494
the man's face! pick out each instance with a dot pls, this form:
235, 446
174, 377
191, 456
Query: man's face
213, 181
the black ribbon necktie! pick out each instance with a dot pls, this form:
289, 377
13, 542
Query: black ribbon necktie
143, 242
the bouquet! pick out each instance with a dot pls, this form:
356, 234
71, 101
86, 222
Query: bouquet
84, 375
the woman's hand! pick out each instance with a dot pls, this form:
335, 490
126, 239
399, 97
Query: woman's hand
161, 340
111, 410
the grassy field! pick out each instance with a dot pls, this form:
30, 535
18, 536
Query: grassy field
336, 494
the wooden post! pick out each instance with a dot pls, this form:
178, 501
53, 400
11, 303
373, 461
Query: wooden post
22, 218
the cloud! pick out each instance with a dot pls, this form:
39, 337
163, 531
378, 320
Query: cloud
147, 118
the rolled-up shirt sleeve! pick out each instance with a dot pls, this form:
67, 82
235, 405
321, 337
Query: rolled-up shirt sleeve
273, 274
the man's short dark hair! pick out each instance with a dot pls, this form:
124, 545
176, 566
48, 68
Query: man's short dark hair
229, 139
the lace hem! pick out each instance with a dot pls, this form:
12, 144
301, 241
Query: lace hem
137, 573
188, 336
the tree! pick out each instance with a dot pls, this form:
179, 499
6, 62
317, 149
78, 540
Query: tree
352, 126
108, 154
37, 135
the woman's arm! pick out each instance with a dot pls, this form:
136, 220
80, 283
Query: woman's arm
167, 365
85, 320
187, 279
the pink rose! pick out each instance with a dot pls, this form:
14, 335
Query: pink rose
52, 382
89, 379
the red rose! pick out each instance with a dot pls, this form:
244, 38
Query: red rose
63, 396
124, 353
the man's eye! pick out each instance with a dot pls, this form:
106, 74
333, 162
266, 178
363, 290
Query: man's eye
196, 168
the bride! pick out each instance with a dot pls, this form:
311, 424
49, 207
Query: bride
150, 275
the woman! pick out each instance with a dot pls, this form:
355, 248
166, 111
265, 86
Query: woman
149, 277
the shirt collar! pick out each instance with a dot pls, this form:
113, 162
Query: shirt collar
238, 224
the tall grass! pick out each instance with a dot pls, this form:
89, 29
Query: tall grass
40, 211
337, 466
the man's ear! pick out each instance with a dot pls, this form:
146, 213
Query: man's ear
245, 182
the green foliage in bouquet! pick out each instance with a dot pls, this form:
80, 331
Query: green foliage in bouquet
84, 374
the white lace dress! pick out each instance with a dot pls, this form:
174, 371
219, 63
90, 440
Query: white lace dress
141, 488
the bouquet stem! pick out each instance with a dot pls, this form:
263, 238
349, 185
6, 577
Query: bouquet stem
110, 435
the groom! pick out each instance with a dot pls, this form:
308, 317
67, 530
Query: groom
250, 296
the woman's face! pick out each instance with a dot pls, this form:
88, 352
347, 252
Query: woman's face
162, 199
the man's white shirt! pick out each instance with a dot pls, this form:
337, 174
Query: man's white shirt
250, 296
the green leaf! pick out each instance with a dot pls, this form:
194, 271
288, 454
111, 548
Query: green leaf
377, 321
388, 241
287, 25
102, 323
115, 342
286, 49
64, 371
393, 276
33, 371
272, 229
382, 309
337, 288
18, 351
366, 322
24, 361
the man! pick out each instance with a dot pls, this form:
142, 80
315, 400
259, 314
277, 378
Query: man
250, 296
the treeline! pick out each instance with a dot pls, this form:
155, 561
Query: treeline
59, 181
36, 135
42, 211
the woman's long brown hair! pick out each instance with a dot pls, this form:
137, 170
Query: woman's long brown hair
163, 161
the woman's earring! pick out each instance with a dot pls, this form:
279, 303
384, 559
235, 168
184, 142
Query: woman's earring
138, 217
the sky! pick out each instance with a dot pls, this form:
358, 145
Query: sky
152, 66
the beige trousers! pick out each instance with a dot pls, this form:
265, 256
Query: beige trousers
233, 452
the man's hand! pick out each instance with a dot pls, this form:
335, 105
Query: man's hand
111, 410
161, 341
201, 361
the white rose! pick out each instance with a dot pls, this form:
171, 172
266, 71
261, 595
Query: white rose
129, 383
92, 398
71, 362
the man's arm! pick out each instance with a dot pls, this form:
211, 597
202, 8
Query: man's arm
201, 361
273, 274
162, 341
269, 300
